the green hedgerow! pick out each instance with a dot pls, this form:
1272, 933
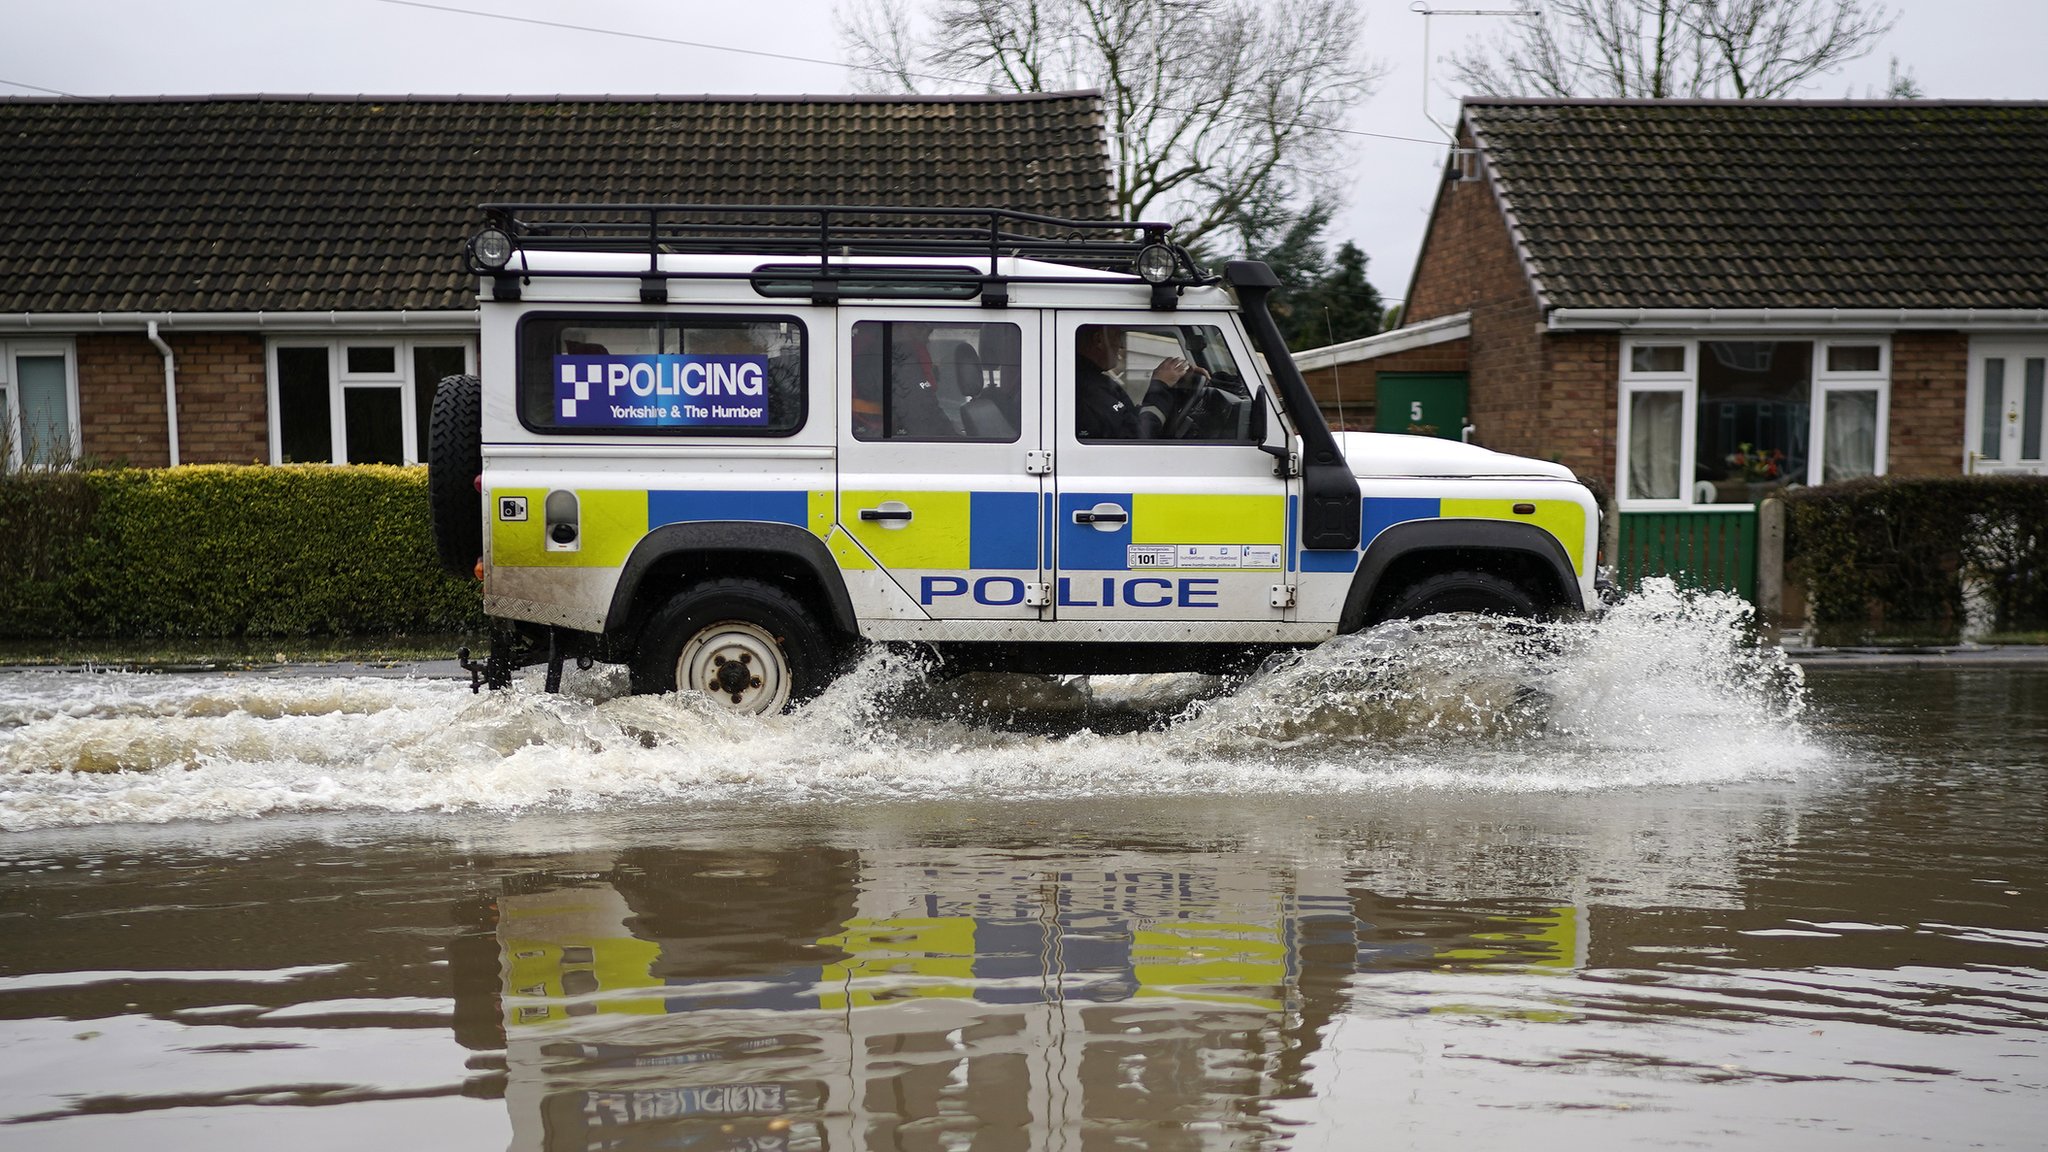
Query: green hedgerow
1903, 549
225, 551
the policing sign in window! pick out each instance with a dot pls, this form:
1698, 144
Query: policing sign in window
661, 391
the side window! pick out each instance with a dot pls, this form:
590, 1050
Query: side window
662, 375
1160, 382
914, 380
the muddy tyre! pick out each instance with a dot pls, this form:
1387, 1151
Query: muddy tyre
1447, 592
745, 644
454, 461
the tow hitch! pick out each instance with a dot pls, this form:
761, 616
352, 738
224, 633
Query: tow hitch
512, 650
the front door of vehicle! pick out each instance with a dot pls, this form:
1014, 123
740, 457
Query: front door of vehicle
937, 475
1169, 507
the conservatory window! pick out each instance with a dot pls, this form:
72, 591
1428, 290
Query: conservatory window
1729, 422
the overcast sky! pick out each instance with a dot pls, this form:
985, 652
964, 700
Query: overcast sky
1956, 49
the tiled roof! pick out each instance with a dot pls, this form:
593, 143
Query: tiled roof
362, 203
1845, 204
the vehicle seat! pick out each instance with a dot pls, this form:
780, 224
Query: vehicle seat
981, 413
998, 401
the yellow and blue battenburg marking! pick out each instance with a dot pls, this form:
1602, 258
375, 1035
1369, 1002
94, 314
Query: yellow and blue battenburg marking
953, 530
1563, 519
1007, 530
613, 521
1100, 955
1174, 530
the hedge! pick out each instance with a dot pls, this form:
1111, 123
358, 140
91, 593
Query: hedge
224, 551
1901, 551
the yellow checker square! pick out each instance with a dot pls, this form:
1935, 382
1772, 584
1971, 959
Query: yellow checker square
1561, 518
610, 524
935, 537
1180, 518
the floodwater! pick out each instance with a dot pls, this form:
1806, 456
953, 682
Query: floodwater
1624, 884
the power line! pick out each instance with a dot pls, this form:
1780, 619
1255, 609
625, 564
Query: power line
33, 87
939, 78
637, 36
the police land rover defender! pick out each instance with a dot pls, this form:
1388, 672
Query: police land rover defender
725, 446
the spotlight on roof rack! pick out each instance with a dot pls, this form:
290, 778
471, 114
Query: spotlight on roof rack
492, 247
1156, 263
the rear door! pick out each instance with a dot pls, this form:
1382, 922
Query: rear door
936, 472
1166, 515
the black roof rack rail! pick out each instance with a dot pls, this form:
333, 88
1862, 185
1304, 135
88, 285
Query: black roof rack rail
825, 233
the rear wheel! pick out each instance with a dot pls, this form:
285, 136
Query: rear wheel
745, 644
1446, 592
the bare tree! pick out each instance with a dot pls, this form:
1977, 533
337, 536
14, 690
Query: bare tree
1215, 107
1749, 49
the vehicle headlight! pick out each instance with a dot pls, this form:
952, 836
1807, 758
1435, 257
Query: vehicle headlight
1156, 263
491, 247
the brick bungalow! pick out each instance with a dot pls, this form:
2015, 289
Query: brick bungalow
269, 278
1696, 303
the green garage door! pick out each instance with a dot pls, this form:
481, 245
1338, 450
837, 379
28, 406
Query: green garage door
1422, 403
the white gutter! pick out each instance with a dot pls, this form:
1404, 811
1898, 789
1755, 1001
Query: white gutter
170, 389
1799, 319
331, 320
1440, 330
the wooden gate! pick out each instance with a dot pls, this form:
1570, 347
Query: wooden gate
1708, 549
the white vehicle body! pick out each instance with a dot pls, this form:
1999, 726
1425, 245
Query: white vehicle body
621, 467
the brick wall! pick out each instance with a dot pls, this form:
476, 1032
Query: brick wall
222, 398
1930, 373
1469, 264
1583, 376
121, 400
1359, 381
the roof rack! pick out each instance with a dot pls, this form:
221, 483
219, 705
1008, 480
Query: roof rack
829, 233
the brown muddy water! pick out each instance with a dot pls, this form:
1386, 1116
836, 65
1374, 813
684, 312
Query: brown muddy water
1625, 884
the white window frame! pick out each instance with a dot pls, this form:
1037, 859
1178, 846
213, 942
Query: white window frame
1633, 383
1825, 382
10, 406
1686, 383
413, 437
2011, 348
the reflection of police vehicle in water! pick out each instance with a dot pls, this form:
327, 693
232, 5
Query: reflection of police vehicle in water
826, 998
724, 446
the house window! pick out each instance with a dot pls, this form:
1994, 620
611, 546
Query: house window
1727, 422
38, 404
358, 400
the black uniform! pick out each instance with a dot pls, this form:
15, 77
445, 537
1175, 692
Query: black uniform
1102, 409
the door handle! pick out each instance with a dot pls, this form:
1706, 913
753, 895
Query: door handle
885, 513
1088, 517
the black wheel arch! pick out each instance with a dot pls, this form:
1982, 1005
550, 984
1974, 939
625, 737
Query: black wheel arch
1406, 552
675, 555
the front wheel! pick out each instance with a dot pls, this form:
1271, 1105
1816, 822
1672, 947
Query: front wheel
1446, 592
745, 644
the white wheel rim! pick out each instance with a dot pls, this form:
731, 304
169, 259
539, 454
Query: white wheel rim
737, 664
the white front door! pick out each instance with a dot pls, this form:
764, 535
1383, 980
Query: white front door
2008, 412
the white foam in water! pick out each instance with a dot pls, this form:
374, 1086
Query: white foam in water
1664, 689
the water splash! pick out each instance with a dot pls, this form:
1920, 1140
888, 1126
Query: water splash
1664, 689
